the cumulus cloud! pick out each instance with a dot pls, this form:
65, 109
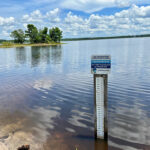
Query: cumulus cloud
5, 33
10, 7
36, 14
70, 19
34, 17
6, 21
121, 3
53, 15
74, 24
135, 20
87, 5
91, 6
134, 12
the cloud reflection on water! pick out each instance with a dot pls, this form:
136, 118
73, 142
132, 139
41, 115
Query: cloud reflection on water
130, 125
29, 127
42, 84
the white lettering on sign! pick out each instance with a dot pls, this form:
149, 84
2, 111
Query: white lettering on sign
100, 106
100, 64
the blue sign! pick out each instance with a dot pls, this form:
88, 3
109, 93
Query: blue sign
100, 64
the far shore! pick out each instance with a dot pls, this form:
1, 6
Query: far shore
24, 45
105, 38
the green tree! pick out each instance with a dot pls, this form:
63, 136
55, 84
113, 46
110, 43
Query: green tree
42, 35
55, 34
32, 33
18, 35
37, 36
48, 39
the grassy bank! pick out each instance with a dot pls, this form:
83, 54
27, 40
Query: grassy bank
10, 45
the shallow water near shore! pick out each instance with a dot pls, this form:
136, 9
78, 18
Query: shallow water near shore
46, 96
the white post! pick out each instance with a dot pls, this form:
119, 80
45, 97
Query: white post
100, 67
100, 106
100, 92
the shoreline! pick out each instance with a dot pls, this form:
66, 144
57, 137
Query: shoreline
24, 45
105, 38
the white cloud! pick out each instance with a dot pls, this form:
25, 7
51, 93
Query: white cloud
9, 28
25, 25
6, 21
36, 14
34, 17
91, 6
5, 33
121, 3
135, 20
70, 19
37, 17
87, 5
53, 15
74, 25
13, 7
134, 12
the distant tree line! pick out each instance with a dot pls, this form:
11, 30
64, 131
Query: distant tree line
1, 40
37, 36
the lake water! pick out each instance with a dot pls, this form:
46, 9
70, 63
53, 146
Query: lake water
46, 96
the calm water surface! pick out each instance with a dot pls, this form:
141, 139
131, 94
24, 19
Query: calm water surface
46, 96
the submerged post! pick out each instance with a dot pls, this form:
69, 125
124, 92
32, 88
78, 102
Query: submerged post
100, 67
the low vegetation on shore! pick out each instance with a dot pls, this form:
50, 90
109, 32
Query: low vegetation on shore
10, 45
34, 37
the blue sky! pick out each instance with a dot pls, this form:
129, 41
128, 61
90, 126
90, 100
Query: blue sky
77, 18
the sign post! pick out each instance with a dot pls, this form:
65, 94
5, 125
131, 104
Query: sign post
100, 67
